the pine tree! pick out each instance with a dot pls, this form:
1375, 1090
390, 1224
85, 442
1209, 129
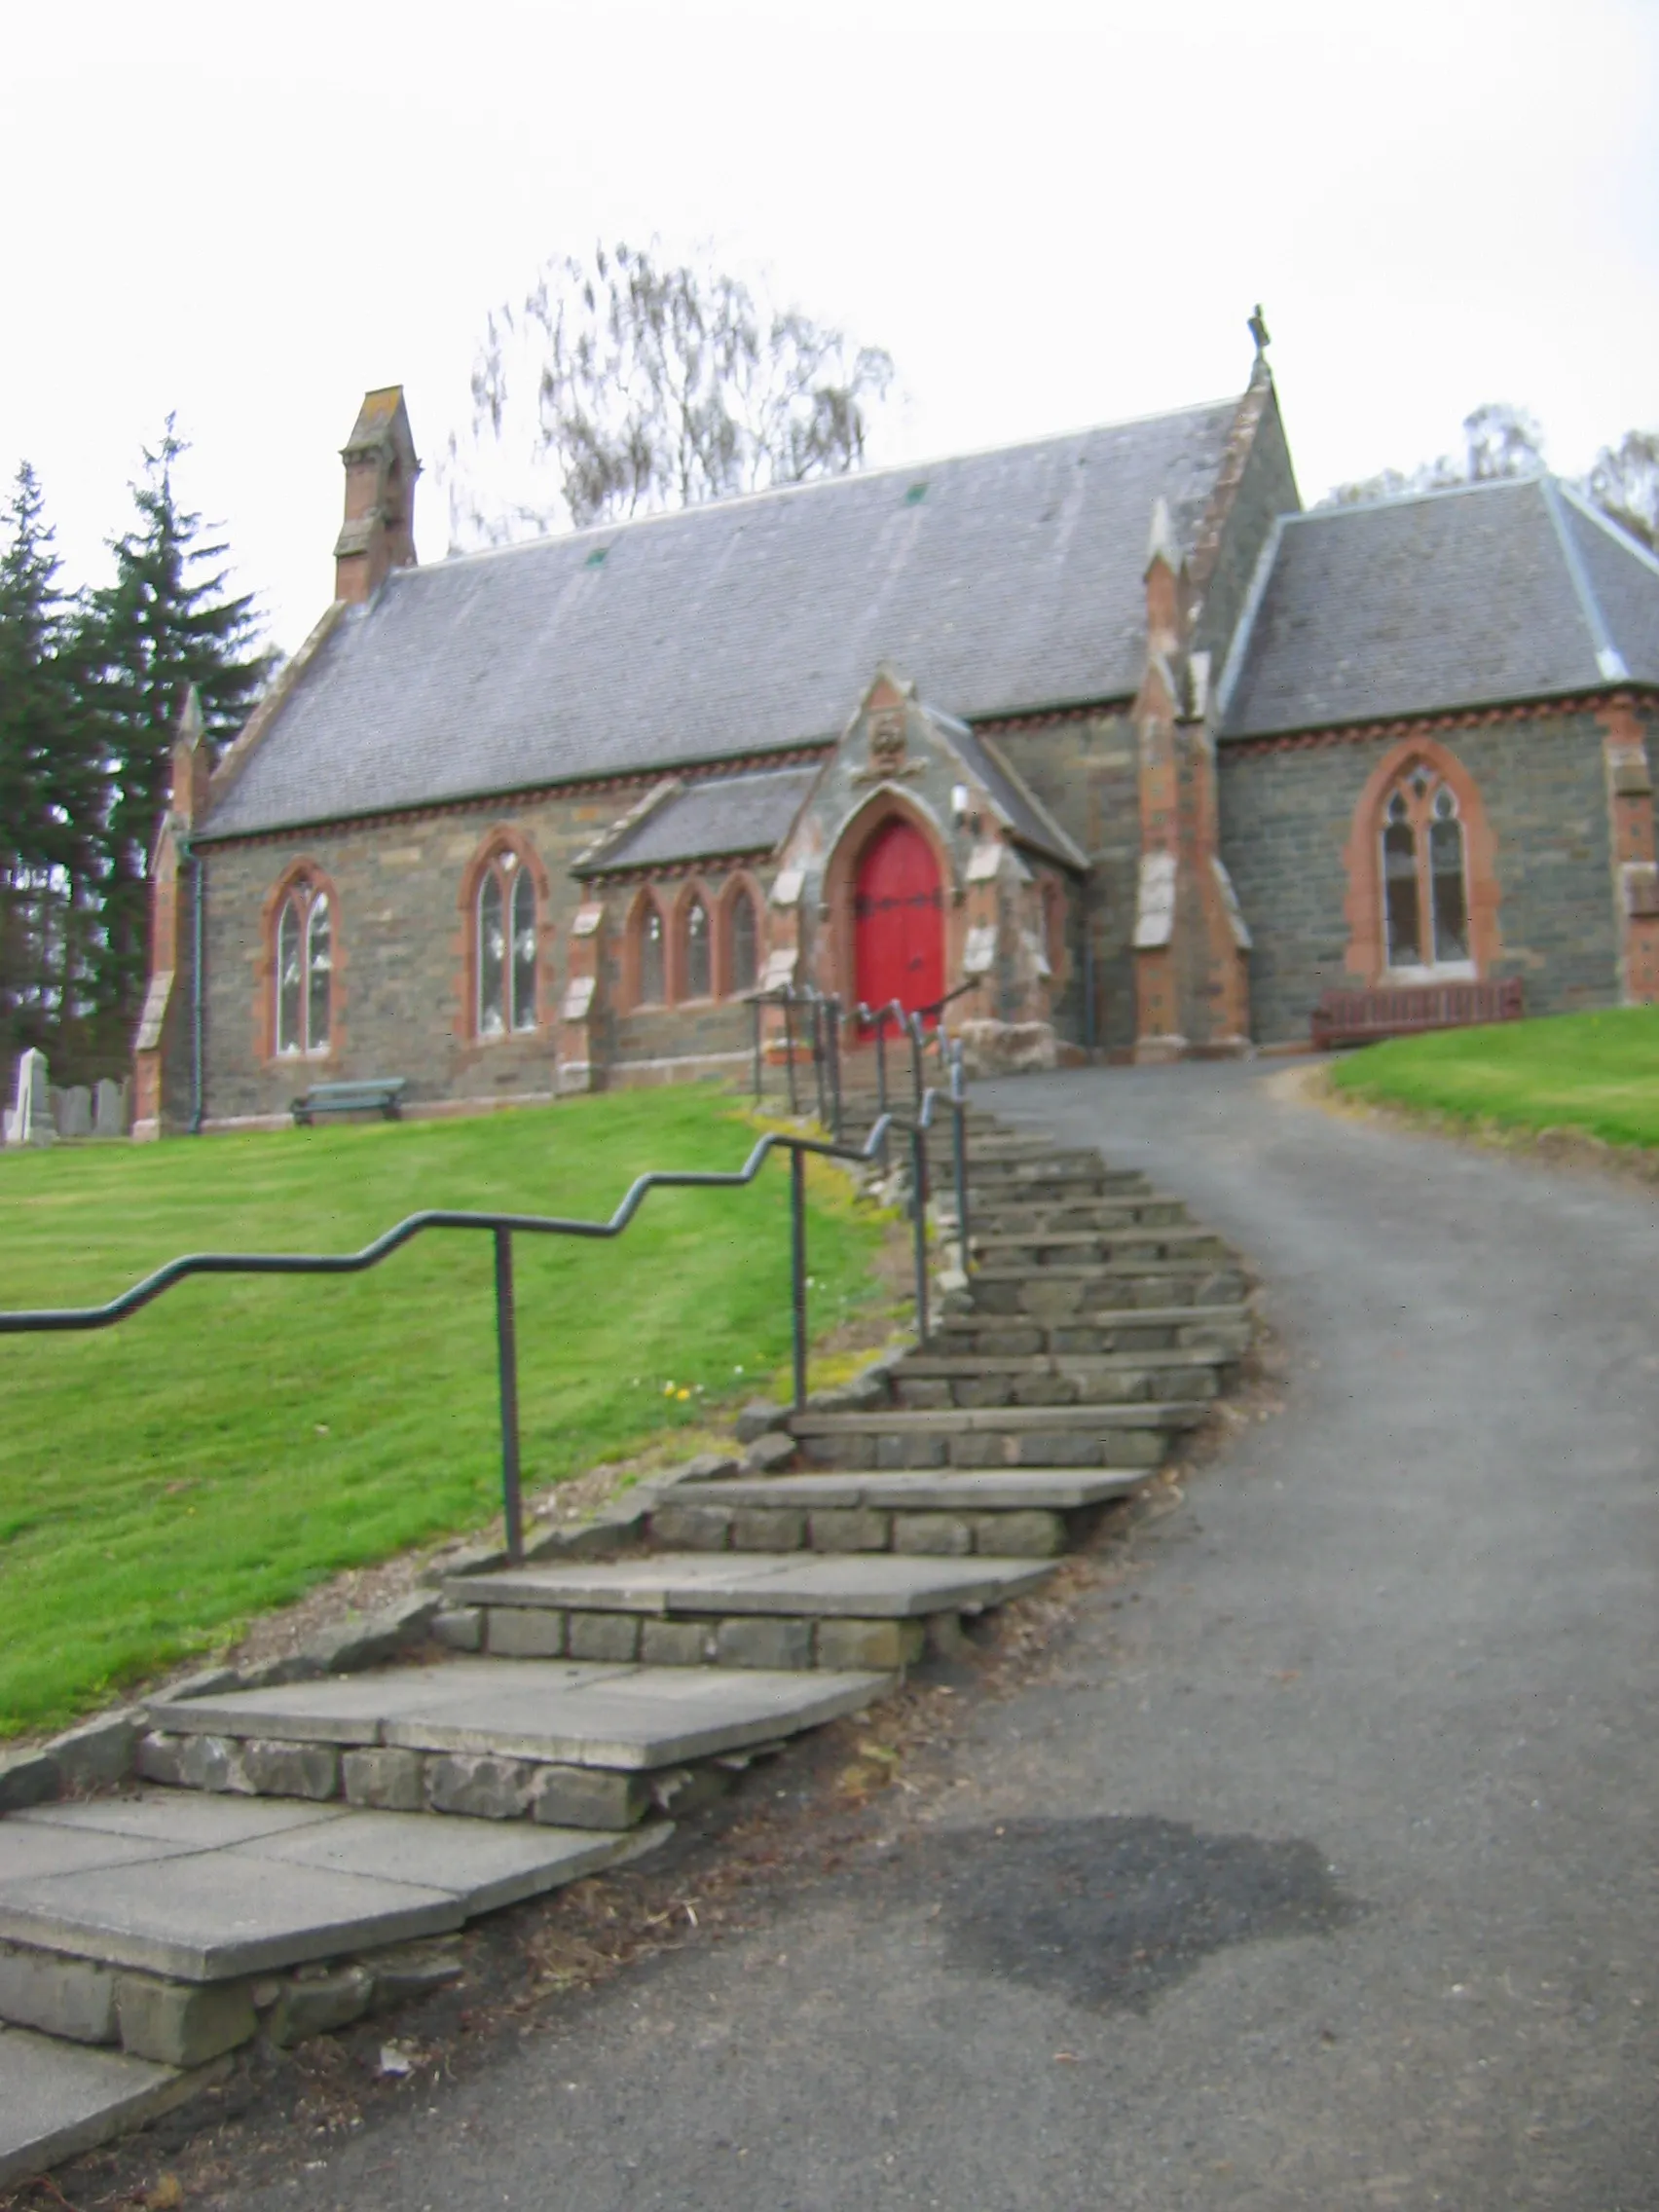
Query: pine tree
165, 623
53, 793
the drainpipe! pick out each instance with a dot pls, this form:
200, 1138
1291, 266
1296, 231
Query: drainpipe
1087, 972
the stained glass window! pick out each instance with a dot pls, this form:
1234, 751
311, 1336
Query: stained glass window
1447, 880
290, 998
1425, 889
492, 958
745, 943
320, 969
653, 989
305, 971
699, 979
506, 947
1400, 887
524, 951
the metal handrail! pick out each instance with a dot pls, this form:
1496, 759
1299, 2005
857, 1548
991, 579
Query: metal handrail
504, 1227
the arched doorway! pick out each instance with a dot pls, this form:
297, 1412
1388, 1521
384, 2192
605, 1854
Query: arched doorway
898, 919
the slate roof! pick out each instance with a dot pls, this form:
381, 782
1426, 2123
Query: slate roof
1473, 597
711, 817
1000, 582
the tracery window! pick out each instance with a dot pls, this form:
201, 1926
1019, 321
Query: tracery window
745, 943
305, 969
1425, 889
651, 942
507, 947
696, 951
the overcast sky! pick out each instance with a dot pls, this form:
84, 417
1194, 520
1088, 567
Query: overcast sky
1049, 215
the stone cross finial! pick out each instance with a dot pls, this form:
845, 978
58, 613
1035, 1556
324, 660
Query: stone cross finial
1258, 328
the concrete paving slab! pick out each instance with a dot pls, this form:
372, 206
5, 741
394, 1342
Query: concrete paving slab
185, 1818
199, 1917
668, 1582
973, 1420
1055, 1489
856, 1585
884, 1586
483, 1865
60, 2098
650, 1717
30, 1848
351, 1709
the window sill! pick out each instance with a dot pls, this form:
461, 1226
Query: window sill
1447, 971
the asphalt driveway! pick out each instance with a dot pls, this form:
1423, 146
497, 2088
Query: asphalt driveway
1323, 1871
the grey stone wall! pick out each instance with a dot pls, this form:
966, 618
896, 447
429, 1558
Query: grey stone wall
1287, 816
400, 948
1085, 770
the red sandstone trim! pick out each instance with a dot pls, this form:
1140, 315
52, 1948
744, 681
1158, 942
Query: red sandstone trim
1426, 726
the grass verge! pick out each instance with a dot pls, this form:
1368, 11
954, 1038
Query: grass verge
1596, 1073
244, 1438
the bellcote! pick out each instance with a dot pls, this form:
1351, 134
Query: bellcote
378, 533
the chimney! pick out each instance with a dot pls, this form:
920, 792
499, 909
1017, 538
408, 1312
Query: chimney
378, 533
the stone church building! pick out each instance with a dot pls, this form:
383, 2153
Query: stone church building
1105, 727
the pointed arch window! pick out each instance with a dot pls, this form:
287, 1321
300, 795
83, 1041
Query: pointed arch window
506, 947
305, 969
651, 953
697, 968
745, 943
1425, 882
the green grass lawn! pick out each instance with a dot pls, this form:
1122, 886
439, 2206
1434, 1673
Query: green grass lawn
1595, 1072
242, 1438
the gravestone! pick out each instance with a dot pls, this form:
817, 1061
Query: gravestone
109, 1109
29, 1121
74, 1116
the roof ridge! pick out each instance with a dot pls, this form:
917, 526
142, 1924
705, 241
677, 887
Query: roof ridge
1325, 514
1624, 539
609, 531
1608, 659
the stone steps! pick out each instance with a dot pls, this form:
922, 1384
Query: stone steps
1086, 1366
1105, 1287
1008, 1513
786, 1606
937, 1385
1131, 1246
994, 1436
295, 1855
169, 1925
1128, 1333
1041, 1219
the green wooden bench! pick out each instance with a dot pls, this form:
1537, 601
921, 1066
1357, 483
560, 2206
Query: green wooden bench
379, 1096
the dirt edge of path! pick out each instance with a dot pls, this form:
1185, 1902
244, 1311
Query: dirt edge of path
1307, 1083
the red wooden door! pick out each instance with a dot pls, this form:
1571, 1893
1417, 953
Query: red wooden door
899, 920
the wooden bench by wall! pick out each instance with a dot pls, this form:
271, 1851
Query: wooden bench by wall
376, 1095
1409, 1010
